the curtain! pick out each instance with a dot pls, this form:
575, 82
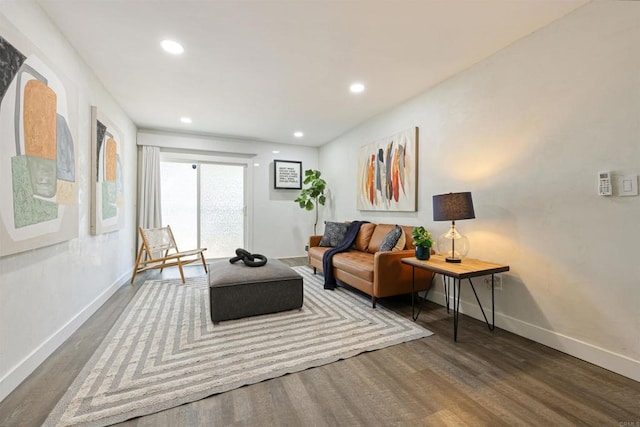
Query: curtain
149, 212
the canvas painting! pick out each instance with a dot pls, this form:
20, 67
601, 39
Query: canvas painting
38, 180
107, 201
387, 173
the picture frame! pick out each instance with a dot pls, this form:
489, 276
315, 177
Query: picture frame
287, 175
387, 173
107, 172
38, 175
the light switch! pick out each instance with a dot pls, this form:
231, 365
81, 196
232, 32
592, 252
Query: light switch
628, 185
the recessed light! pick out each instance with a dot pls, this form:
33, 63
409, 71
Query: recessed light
356, 87
298, 134
185, 119
275, 151
256, 164
172, 47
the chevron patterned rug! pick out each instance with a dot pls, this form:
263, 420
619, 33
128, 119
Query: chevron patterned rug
164, 351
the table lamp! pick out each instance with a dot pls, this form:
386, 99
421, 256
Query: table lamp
453, 207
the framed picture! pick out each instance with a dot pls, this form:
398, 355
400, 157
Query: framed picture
38, 148
107, 198
287, 174
387, 173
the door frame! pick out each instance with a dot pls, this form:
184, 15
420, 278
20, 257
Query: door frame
187, 157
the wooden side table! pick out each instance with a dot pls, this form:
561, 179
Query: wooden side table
467, 269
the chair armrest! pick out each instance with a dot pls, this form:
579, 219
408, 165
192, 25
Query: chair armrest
174, 256
189, 253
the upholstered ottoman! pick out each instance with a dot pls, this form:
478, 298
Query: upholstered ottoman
236, 290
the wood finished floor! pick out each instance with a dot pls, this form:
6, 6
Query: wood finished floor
485, 379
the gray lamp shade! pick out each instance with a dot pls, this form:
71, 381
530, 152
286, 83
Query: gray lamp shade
453, 206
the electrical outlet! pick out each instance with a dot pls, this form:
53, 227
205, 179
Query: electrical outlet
497, 282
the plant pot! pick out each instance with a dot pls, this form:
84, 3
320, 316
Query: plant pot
423, 252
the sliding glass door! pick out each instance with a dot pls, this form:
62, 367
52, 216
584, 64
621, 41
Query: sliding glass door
222, 209
204, 203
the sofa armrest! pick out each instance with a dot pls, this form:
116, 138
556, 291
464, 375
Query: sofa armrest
383, 261
314, 241
391, 275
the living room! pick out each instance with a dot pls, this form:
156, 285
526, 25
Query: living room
526, 130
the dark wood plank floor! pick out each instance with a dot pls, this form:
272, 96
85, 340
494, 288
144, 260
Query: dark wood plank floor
485, 379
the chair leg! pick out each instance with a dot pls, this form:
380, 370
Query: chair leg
204, 263
135, 268
181, 272
165, 261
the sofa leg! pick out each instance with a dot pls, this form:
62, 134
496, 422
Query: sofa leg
373, 302
314, 270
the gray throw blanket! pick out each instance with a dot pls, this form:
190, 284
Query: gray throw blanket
327, 265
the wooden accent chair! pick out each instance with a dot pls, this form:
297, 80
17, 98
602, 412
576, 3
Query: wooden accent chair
157, 243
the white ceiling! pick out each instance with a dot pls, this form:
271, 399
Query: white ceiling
262, 69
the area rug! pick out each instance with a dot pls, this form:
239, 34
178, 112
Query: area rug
164, 351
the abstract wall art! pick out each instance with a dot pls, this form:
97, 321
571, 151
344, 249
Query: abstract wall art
387, 173
107, 201
38, 181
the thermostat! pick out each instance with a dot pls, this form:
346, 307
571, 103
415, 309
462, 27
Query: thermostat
604, 183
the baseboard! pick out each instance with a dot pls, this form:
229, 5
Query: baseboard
604, 358
13, 378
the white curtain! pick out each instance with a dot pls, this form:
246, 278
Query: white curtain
149, 212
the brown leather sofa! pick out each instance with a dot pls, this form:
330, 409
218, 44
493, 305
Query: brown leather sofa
377, 273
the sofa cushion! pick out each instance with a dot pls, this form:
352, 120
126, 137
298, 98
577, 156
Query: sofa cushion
317, 252
358, 263
334, 233
408, 231
378, 236
391, 239
364, 236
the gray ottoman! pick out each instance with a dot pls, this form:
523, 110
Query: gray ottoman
236, 290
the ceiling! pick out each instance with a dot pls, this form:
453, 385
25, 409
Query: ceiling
262, 69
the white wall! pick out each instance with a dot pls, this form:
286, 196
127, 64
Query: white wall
47, 293
526, 131
279, 228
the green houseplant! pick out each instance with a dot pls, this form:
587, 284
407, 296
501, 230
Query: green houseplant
313, 194
423, 242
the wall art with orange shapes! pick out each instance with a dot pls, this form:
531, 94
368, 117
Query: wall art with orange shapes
38, 180
107, 201
388, 173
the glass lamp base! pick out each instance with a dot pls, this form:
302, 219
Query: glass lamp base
453, 246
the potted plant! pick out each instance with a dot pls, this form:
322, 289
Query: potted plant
312, 195
422, 241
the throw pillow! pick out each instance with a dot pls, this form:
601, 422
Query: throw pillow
391, 239
334, 233
402, 241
